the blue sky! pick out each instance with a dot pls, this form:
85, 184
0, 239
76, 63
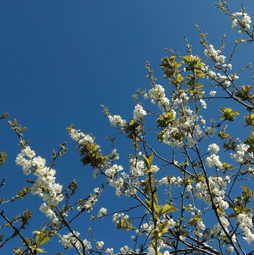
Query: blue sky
59, 60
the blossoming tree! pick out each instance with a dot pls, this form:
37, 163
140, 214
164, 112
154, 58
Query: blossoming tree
188, 179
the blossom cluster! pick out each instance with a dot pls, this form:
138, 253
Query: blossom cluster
219, 185
113, 172
45, 185
188, 130
171, 180
118, 216
218, 77
99, 245
218, 229
116, 120
243, 24
136, 170
185, 127
125, 250
214, 160
113, 155
114, 179
157, 93
213, 148
210, 52
240, 153
138, 112
219, 59
179, 99
50, 191
88, 204
199, 226
102, 212
70, 241
245, 224
80, 137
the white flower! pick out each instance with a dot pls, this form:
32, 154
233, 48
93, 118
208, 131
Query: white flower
189, 188
171, 223
230, 249
116, 120
29, 153
164, 180
87, 244
203, 103
114, 155
201, 225
240, 153
157, 92
243, 24
213, 148
228, 66
151, 251
138, 112
99, 245
69, 240
227, 83
210, 52
213, 160
210, 131
102, 212
109, 250
212, 93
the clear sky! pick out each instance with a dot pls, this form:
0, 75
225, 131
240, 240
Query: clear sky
59, 60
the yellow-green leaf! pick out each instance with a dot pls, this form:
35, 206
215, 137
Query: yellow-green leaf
168, 209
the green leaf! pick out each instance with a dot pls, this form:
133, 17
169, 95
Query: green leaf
165, 120
42, 238
156, 208
148, 161
40, 250
228, 114
168, 209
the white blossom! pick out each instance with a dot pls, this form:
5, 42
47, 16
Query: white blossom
213, 148
138, 112
102, 212
212, 93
